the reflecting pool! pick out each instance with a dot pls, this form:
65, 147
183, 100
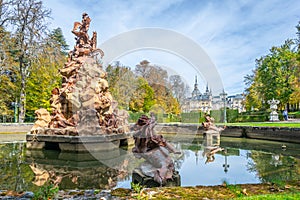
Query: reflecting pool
237, 161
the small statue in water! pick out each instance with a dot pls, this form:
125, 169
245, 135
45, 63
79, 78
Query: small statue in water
209, 125
211, 139
154, 149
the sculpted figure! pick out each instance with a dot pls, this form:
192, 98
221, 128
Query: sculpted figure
83, 28
55, 100
83, 101
154, 149
58, 120
209, 124
43, 119
211, 139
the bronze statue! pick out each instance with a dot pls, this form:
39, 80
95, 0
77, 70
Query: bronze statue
154, 149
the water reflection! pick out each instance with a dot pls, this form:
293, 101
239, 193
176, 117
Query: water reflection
78, 170
211, 142
241, 161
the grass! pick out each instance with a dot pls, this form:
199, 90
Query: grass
272, 197
270, 124
237, 192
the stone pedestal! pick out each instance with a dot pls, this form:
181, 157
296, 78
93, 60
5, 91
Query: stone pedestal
139, 177
69, 143
274, 116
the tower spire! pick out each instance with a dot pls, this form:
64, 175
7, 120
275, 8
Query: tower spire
196, 91
196, 84
207, 90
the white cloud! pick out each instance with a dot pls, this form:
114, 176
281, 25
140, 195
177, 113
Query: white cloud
233, 33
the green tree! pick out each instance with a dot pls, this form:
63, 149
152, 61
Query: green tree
8, 74
122, 83
274, 75
57, 40
142, 99
157, 78
43, 78
295, 97
253, 99
29, 26
45, 74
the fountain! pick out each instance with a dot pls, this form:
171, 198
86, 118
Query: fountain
211, 139
158, 168
83, 111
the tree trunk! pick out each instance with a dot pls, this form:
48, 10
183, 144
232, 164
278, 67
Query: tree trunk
22, 99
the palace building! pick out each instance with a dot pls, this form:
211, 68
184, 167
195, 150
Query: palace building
206, 102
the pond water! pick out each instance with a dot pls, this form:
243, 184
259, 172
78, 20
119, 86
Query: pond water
239, 161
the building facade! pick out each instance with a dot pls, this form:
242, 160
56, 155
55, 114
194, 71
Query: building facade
206, 102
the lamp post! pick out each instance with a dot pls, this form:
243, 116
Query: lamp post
15, 105
223, 96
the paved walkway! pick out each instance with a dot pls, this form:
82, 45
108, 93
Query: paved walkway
292, 121
15, 127
17, 137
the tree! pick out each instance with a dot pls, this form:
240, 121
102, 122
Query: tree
295, 97
253, 99
274, 75
29, 23
155, 75
297, 40
8, 74
179, 89
43, 78
157, 78
57, 39
142, 99
5, 11
122, 83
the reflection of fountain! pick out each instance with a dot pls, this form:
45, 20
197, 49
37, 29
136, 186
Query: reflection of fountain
211, 139
273, 106
83, 106
81, 170
158, 168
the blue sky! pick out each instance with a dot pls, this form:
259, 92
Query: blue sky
233, 33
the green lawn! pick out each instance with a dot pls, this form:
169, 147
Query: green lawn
271, 124
272, 197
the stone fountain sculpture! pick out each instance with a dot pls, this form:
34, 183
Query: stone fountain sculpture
83, 105
273, 106
158, 168
211, 139
210, 127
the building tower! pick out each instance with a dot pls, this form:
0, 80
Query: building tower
196, 92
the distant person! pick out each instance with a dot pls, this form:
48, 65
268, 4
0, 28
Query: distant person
285, 115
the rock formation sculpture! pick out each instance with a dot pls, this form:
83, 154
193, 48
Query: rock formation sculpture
84, 103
